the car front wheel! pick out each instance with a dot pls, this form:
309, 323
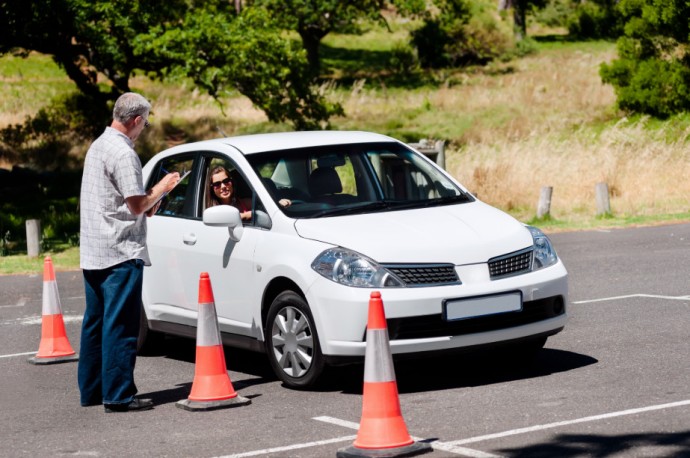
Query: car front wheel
292, 343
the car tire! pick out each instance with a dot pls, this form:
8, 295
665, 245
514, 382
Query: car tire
148, 342
292, 343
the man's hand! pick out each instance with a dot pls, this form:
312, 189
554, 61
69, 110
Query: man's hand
144, 204
169, 181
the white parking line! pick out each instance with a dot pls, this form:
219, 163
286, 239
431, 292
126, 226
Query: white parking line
19, 354
287, 448
558, 424
615, 298
38, 319
444, 446
453, 446
20, 303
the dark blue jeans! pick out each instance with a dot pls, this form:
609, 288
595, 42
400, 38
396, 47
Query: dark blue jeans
108, 348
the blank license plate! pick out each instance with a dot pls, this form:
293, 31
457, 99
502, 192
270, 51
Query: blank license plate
460, 309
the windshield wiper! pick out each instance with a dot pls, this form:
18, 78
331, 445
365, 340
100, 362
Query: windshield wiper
379, 205
460, 198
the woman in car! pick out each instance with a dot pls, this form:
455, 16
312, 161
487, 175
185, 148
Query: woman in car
223, 192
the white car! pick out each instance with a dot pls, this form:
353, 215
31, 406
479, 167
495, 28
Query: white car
366, 213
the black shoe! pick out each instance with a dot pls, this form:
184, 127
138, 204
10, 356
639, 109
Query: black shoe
136, 404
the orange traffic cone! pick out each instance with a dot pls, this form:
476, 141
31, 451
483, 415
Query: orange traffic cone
54, 347
212, 388
382, 430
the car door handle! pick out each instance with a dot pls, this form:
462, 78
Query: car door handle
189, 239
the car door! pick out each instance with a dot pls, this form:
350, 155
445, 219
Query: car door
182, 247
165, 281
230, 264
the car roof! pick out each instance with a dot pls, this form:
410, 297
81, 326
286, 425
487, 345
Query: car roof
260, 143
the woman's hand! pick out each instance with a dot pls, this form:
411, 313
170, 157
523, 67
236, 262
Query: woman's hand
285, 202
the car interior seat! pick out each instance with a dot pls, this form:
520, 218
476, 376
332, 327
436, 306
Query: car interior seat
323, 183
271, 187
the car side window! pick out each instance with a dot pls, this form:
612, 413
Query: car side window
179, 202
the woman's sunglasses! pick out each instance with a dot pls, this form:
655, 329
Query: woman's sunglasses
216, 184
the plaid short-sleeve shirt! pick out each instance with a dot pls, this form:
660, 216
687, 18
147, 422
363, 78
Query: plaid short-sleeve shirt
110, 233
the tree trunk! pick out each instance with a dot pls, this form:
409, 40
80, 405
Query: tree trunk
519, 19
311, 43
519, 15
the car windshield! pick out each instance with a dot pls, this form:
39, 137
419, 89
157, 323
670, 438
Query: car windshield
337, 180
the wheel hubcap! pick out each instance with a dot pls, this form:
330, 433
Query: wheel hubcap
292, 340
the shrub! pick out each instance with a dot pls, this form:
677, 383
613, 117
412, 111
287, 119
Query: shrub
50, 197
595, 20
48, 139
653, 86
461, 34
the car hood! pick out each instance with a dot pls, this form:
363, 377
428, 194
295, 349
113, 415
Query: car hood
461, 234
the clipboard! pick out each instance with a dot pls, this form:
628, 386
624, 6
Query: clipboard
178, 182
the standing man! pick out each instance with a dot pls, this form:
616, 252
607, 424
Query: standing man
114, 206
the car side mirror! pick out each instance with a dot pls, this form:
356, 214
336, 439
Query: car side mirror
225, 216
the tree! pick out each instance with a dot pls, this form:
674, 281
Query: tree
520, 8
595, 19
218, 53
313, 20
652, 72
92, 37
461, 32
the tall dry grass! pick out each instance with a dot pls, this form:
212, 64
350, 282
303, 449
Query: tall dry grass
546, 121
646, 173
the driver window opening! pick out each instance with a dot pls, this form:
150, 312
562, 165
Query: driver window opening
226, 186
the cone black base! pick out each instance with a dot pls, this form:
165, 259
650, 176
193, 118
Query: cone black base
55, 360
201, 406
417, 448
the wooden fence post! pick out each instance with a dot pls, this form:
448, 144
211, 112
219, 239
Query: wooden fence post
602, 199
33, 237
435, 152
544, 207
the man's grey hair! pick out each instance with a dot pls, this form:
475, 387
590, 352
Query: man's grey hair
130, 105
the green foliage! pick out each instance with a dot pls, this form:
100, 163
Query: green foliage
88, 38
49, 197
596, 20
556, 13
47, 139
219, 52
459, 35
652, 73
314, 20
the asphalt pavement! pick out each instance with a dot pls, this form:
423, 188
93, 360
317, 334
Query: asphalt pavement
614, 383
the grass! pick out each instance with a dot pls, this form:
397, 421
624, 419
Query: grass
510, 128
67, 259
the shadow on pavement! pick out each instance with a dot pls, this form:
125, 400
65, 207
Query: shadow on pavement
236, 360
643, 444
413, 375
467, 370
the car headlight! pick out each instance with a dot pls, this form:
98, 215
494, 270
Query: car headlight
544, 253
350, 268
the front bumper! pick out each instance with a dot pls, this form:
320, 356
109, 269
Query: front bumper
414, 315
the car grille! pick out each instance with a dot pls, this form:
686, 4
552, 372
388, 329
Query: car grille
511, 264
419, 327
425, 274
